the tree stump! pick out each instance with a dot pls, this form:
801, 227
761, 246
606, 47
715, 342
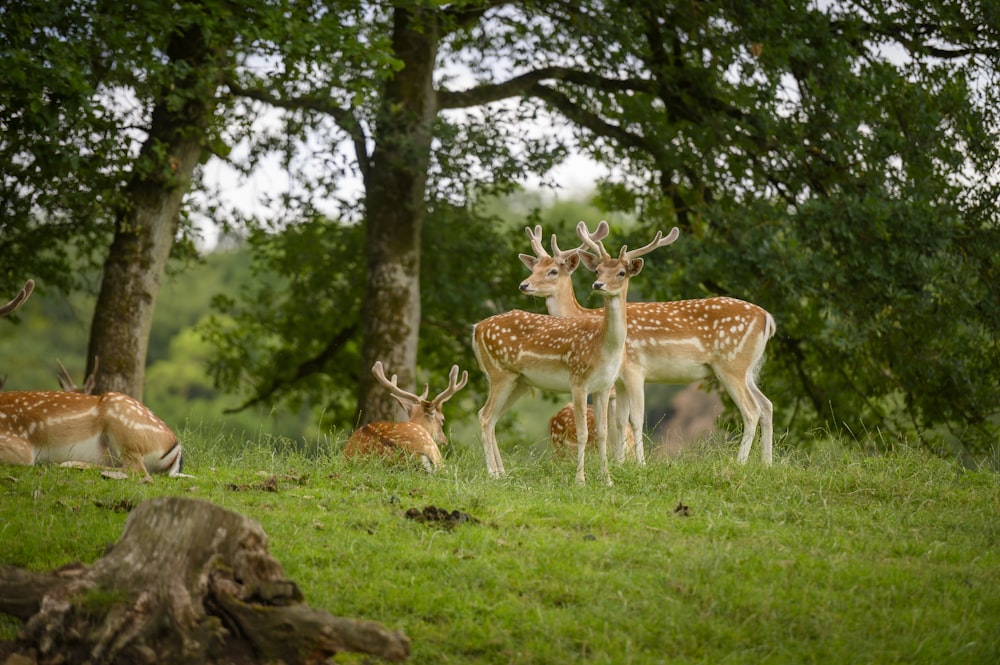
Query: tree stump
188, 582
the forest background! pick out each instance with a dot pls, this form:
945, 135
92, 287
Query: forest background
835, 163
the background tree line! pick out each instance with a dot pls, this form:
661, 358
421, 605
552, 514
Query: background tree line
835, 164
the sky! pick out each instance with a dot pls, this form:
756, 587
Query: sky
573, 179
576, 177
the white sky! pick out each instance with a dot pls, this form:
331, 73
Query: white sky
574, 179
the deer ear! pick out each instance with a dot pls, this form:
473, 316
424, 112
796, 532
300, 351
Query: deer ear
634, 267
589, 260
528, 260
572, 262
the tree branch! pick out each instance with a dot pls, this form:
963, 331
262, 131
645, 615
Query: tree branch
464, 16
591, 121
344, 118
310, 366
521, 85
914, 39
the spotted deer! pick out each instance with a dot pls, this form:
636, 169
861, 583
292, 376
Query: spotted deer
562, 429
517, 350
109, 430
419, 436
670, 342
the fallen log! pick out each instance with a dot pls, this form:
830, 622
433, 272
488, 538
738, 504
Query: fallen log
188, 582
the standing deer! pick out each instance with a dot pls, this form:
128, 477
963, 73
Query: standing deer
417, 437
517, 350
69, 427
670, 342
551, 278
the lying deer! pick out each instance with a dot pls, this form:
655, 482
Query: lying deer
416, 438
562, 429
109, 430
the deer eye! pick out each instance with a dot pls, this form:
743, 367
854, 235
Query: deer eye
553, 272
621, 273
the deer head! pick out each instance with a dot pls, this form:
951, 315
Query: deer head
551, 274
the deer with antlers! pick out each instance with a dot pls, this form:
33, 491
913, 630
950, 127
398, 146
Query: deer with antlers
416, 438
517, 350
670, 342
109, 430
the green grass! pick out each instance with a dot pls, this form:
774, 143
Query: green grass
833, 557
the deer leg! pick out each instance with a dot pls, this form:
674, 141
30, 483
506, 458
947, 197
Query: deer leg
16, 451
766, 422
739, 390
601, 425
634, 395
134, 462
580, 416
618, 410
504, 391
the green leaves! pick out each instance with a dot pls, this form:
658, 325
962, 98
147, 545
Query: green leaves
826, 167
291, 336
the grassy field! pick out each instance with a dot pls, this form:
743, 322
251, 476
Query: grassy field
833, 557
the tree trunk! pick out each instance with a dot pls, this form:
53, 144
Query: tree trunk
145, 232
188, 582
395, 206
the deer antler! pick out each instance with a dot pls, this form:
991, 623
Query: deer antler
600, 233
535, 235
67, 383
658, 241
593, 240
536, 240
454, 385
16, 302
405, 398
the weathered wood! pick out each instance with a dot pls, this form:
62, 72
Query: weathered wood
187, 582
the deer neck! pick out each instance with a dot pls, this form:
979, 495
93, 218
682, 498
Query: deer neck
564, 303
615, 324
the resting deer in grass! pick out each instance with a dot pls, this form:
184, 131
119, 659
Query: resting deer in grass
517, 350
562, 429
420, 435
670, 342
70, 427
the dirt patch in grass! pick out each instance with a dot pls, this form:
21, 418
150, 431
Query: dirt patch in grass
119, 506
440, 516
269, 484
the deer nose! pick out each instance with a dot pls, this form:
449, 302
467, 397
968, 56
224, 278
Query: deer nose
525, 286
598, 286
